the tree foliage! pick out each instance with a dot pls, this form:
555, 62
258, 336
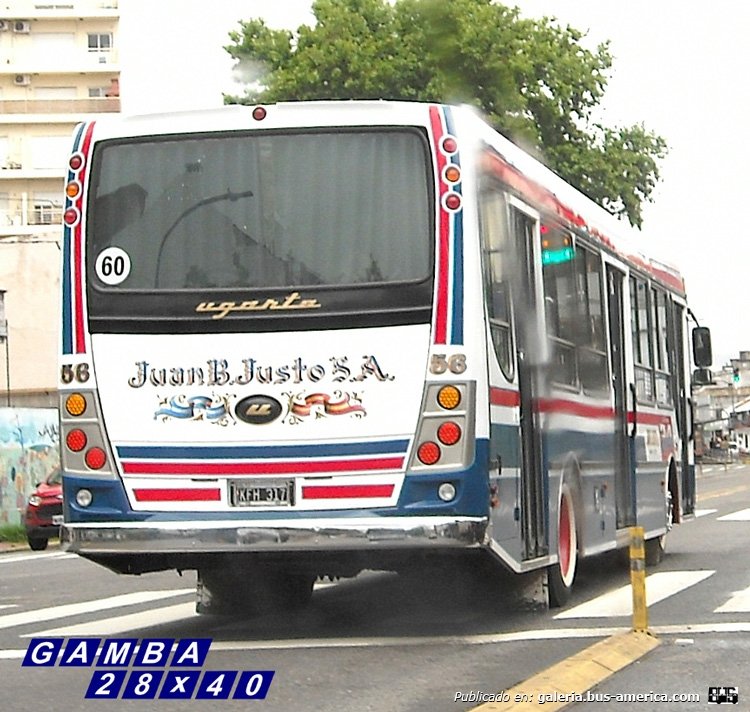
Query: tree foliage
533, 79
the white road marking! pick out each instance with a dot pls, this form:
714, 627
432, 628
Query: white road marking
742, 516
121, 624
74, 609
8, 605
620, 601
738, 603
704, 512
486, 639
15, 558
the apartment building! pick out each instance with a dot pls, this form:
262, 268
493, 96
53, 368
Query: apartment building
58, 64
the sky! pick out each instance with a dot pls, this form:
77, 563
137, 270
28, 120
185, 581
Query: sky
679, 68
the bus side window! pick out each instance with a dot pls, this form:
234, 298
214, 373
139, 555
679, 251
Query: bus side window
643, 355
661, 315
495, 251
592, 351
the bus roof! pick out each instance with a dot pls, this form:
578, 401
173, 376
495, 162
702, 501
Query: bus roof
521, 169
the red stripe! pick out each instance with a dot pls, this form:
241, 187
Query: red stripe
177, 495
80, 334
649, 418
582, 410
548, 200
441, 300
347, 491
261, 468
503, 396
509, 398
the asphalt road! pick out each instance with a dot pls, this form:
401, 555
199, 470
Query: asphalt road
383, 643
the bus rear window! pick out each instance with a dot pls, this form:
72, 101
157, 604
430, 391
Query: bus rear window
260, 210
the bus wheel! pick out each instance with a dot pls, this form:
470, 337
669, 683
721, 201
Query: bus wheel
560, 576
656, 547
251, 592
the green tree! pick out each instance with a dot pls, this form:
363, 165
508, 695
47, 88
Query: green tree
533, 79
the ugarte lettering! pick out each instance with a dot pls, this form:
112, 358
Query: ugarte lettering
292, 301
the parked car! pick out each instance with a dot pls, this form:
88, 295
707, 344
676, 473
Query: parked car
44, 512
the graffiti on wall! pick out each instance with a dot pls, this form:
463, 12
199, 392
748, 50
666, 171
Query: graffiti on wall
29, 452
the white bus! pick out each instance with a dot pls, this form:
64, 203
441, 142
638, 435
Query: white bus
316, 338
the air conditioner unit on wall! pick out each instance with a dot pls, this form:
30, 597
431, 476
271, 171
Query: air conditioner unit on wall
22, 27
22, 80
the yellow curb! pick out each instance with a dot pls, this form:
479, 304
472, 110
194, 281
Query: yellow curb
574, 675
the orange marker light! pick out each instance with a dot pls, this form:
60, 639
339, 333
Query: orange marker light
449, 397
73, 189
453, 174
75, 404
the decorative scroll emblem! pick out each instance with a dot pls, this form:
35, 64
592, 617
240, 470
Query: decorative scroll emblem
322, 405
221, 309
214, 410
258, 409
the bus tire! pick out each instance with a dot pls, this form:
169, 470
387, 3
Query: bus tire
252, 592
656, 548
560, 576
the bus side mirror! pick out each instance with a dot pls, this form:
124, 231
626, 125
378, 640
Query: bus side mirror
702, 377
702, 347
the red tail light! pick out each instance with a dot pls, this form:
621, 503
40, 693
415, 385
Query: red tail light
428, 453
449, 433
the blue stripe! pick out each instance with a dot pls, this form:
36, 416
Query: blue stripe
262, 451
67, 267
457, 310
67, 317
457, 326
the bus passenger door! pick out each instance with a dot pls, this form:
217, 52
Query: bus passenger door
624, 475
680, 397
531, 355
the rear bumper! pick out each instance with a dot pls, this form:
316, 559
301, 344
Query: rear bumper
339, 534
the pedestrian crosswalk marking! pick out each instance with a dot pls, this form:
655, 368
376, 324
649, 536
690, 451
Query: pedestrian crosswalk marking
31, 557
704, 512
620, 601
738, 603
74, 609
742, 516
122, 624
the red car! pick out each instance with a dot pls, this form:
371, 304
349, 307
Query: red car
44, 512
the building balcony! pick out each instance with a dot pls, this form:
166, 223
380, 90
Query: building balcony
41, 10
23, 67
40, 218
59, 106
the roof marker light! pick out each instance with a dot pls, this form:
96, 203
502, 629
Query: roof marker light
449, 145
71, 216
259, 113
452, 201
76, 161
